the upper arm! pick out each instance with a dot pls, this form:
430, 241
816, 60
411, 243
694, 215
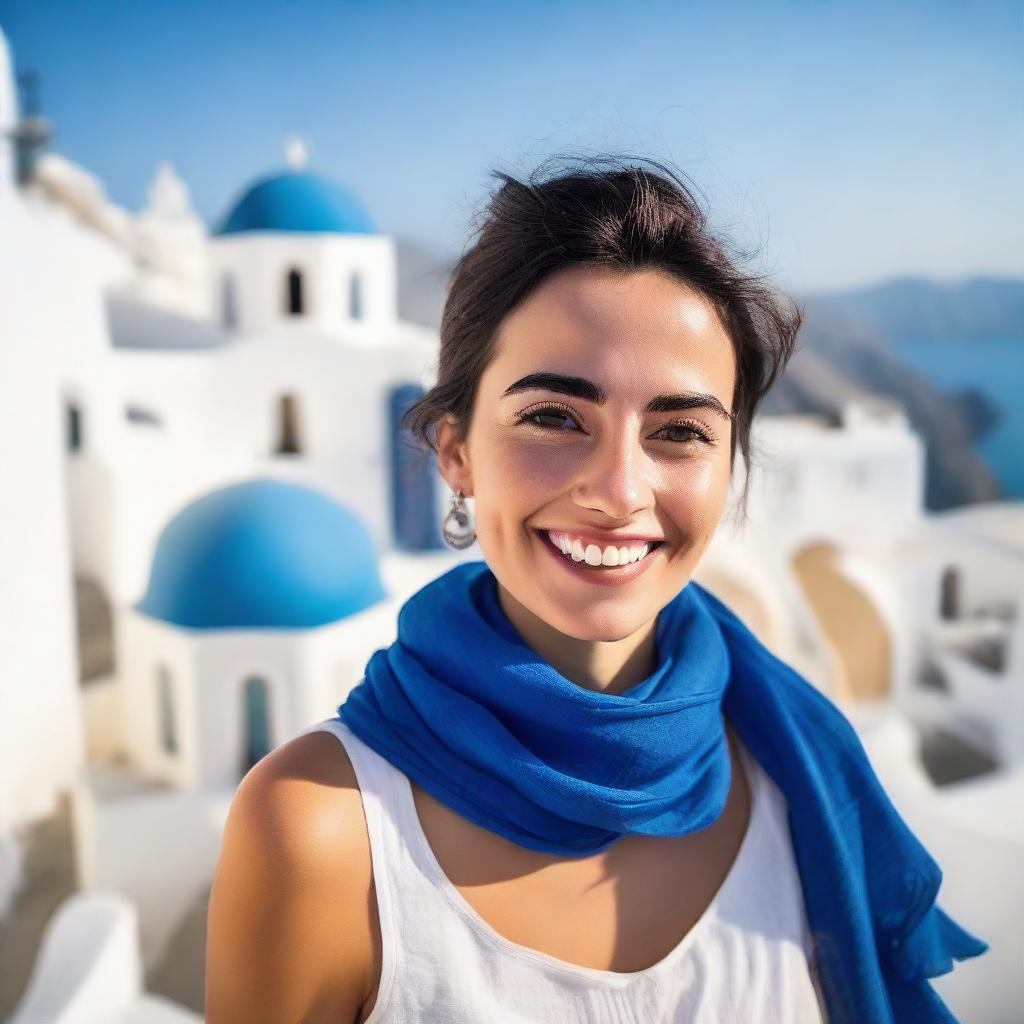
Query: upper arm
290, 921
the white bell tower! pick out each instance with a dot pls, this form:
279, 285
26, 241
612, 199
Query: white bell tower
297, 249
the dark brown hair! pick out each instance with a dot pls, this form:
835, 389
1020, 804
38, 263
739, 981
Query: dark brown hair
627, 213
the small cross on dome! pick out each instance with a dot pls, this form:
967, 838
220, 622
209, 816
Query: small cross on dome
296, 153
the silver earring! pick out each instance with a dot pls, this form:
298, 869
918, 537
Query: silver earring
458, 529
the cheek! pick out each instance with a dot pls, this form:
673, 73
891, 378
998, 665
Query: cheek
710, 480
695, 492
531, 470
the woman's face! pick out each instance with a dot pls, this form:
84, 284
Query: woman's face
581, 456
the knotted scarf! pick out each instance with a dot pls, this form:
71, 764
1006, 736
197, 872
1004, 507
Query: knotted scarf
467, 710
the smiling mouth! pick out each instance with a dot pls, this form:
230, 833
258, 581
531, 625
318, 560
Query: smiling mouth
629, 567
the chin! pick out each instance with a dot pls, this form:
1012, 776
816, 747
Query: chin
594, 623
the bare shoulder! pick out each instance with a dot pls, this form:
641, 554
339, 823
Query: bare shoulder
292, 927
306, 796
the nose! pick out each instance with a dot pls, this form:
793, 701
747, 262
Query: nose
616, 477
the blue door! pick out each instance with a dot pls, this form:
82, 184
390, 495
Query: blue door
413, 481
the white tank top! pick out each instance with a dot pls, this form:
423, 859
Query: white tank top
744, 962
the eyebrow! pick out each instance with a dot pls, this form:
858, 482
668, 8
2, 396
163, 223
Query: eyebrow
580, 387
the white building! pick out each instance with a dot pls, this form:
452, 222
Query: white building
129, 409
304, 354
233, 482
52, 277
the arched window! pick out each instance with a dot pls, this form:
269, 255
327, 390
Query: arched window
414, 515
256, 731
165, 709
294, 303
74, 427
355, 297
228, 302
949, 598
289, 440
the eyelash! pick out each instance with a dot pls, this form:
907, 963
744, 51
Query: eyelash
701, 431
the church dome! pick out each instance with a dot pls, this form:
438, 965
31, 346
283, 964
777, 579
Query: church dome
298, 201
262, 554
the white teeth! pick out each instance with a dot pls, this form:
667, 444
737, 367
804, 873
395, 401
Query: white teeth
593, 554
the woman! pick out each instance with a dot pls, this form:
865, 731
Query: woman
576, 788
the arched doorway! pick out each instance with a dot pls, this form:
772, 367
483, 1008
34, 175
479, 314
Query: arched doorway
94, 621
256, 723
851, 622
294, 304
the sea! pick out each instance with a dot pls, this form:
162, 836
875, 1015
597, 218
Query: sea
995, 367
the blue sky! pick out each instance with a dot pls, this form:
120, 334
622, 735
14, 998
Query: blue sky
849, 141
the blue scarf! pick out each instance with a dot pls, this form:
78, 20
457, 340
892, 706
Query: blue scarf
467, 710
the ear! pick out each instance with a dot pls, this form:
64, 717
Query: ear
452, 456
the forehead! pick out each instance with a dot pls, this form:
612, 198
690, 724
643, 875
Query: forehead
639, 330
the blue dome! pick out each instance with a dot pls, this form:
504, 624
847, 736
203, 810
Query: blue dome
263, 554
297, 201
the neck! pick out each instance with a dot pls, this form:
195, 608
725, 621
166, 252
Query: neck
606, 666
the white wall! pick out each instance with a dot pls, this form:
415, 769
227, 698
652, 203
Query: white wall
133, 836
219, 413
259, 263
51, 273
864, 481
986, 706
144, 645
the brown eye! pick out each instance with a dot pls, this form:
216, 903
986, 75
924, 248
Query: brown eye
535, 417
690, 432
539, 417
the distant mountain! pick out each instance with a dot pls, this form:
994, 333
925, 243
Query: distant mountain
842, 353
838, 359
913, 308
